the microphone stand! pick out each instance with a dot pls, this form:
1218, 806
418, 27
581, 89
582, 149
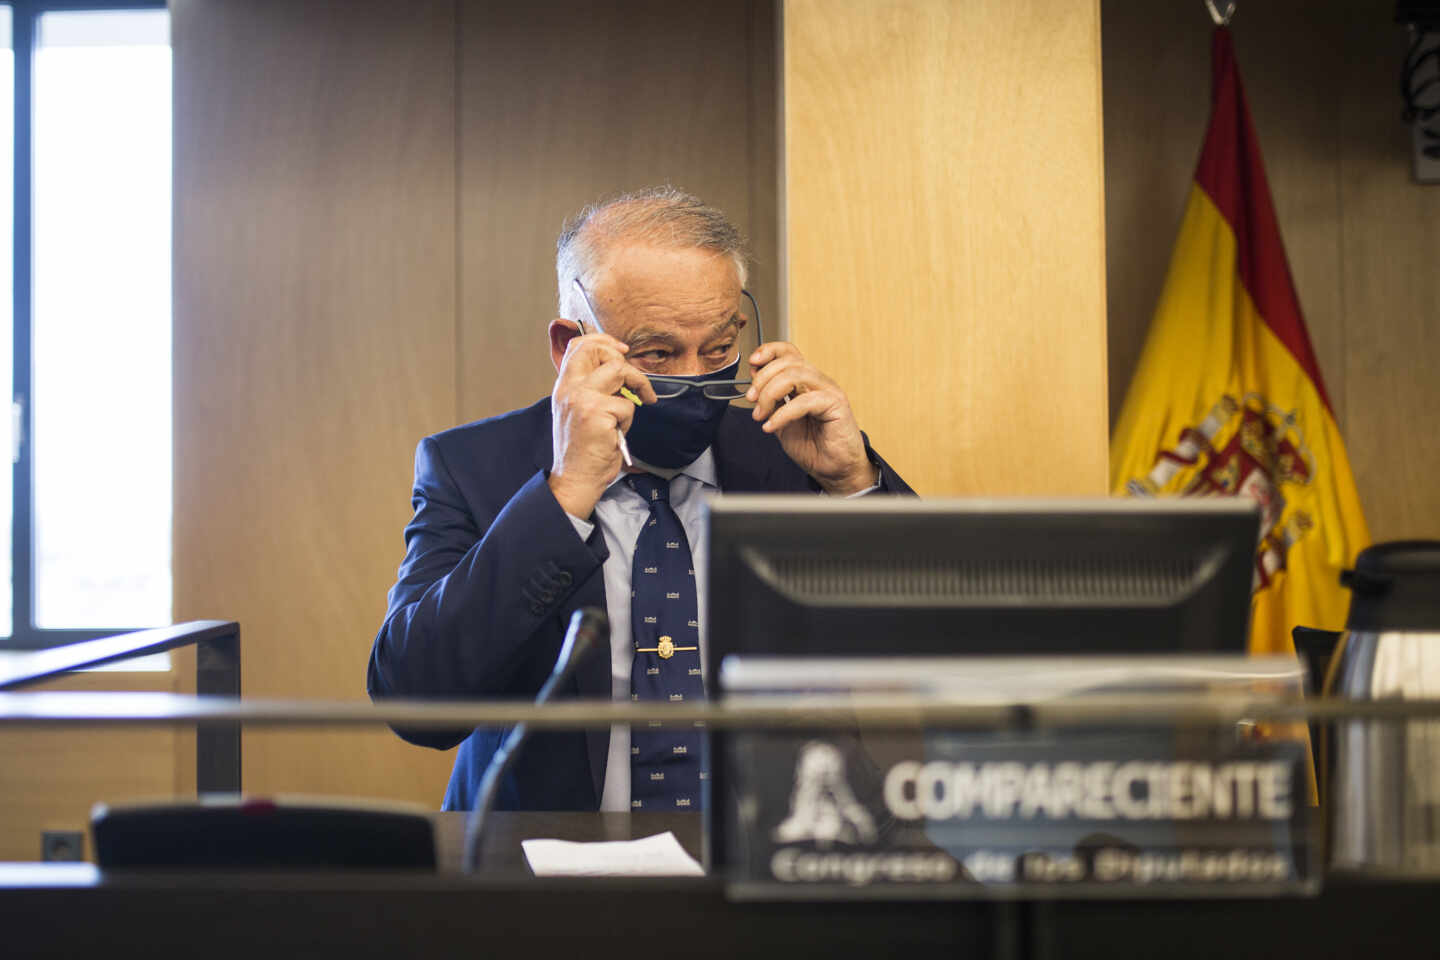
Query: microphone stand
589, 627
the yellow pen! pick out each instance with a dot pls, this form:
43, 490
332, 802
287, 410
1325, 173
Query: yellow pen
625, 391
620, 434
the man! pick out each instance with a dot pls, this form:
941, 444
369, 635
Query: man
525, 517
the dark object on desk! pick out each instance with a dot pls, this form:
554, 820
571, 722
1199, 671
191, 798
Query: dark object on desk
589, 628
1395, 586
886, 576
263, 833
1316, 647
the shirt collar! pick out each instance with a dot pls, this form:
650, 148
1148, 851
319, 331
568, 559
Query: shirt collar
702, 468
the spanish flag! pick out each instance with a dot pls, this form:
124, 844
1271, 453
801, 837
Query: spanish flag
1228, 400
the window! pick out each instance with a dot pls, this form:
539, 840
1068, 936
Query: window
86, 267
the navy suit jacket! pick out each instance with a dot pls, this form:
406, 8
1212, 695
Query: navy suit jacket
493, 570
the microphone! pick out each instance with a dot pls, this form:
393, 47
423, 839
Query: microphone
589, 627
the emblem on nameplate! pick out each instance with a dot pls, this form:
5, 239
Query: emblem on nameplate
823, 808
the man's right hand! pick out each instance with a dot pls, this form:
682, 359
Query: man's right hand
586, 410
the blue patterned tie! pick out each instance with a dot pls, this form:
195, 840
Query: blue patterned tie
664, 762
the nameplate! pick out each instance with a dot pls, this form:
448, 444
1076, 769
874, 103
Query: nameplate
1115, 812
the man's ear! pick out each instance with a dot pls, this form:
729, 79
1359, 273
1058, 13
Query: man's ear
561, 332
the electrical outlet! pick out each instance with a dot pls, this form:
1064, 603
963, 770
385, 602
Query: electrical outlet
62, 845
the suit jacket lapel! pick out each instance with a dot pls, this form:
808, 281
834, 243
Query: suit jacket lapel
751, 461
738, 462
543, 452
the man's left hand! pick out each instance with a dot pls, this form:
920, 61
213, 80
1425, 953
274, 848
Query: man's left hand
811, 416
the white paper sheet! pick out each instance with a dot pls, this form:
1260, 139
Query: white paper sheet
657, 856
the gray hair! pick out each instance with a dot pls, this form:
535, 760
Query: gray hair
663, 216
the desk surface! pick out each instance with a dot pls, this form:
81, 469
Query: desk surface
71, 909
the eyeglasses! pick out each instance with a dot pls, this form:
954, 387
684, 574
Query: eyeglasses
667, 387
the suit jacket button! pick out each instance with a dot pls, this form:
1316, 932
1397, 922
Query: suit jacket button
564, 578
537, 609
548, 596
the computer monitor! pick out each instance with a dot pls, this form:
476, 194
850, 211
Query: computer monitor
893, 576
812, 578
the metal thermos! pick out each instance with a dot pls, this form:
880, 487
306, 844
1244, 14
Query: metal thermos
1384, 782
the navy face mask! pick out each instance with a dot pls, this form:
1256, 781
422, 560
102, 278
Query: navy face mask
673, 431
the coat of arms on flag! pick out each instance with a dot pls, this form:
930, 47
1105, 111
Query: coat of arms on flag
1228, 400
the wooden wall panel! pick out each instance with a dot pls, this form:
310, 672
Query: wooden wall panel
51, 777
1360, 235
1390, 238
564, 102
314, 333
944, 233
763, 165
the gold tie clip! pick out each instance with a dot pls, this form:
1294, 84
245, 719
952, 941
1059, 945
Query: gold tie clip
666, 648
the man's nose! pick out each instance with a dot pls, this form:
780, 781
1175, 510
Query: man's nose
689, 365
